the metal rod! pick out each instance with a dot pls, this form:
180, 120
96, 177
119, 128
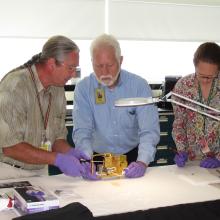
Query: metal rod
193, 109
195, 102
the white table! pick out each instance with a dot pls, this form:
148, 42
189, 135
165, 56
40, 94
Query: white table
160, 187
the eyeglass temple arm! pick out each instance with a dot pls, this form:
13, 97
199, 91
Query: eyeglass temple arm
165, 98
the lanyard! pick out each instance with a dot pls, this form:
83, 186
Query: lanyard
44, 119
208, 102
210, 93
206, 148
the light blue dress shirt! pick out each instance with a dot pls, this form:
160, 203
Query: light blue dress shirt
105, 128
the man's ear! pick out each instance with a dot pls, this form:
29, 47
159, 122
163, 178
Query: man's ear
51, 64
121, 60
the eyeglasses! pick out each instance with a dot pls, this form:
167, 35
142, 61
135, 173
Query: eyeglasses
207, 77
73, 68
70, 67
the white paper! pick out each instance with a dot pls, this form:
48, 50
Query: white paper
196, 175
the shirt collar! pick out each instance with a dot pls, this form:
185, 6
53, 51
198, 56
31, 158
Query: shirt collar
37, 80
218, 82
120, 78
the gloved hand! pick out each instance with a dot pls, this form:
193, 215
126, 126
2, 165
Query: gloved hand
210, 162
135, 169
181, 158
88, 173
78, 154
69, 165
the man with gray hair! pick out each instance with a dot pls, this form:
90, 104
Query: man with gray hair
99, 126
33, 109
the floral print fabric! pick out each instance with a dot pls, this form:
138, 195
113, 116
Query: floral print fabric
193, 132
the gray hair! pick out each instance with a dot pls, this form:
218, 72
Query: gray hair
106, 40
57, 47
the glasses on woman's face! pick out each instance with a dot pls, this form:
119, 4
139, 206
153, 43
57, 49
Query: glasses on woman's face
201, 76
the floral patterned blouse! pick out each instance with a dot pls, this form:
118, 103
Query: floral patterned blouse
193, 132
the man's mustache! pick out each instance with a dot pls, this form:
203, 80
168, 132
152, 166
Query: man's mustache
108, 77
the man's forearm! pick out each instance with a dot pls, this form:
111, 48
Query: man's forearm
27, 153
61, 146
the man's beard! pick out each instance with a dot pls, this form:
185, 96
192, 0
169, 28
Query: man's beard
108, 80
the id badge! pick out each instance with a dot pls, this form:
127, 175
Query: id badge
205, 148
45, 145
99, 96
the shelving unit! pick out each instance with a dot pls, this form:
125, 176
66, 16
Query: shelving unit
166, 147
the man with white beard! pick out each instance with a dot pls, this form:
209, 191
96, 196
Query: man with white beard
99, 126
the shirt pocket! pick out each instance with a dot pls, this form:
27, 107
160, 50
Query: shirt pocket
58, 123
128, 118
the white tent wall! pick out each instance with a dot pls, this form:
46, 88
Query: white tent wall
158, 38
144, 20
79, 19
25, 25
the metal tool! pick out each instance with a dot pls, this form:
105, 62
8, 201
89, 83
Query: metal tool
138, 101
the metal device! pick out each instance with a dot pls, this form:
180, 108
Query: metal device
210, 112
111, 165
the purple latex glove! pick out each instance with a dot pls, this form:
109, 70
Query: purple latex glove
135, 169
33, 192
69, 165
78, 154
88, 174
181, 158
210, 162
